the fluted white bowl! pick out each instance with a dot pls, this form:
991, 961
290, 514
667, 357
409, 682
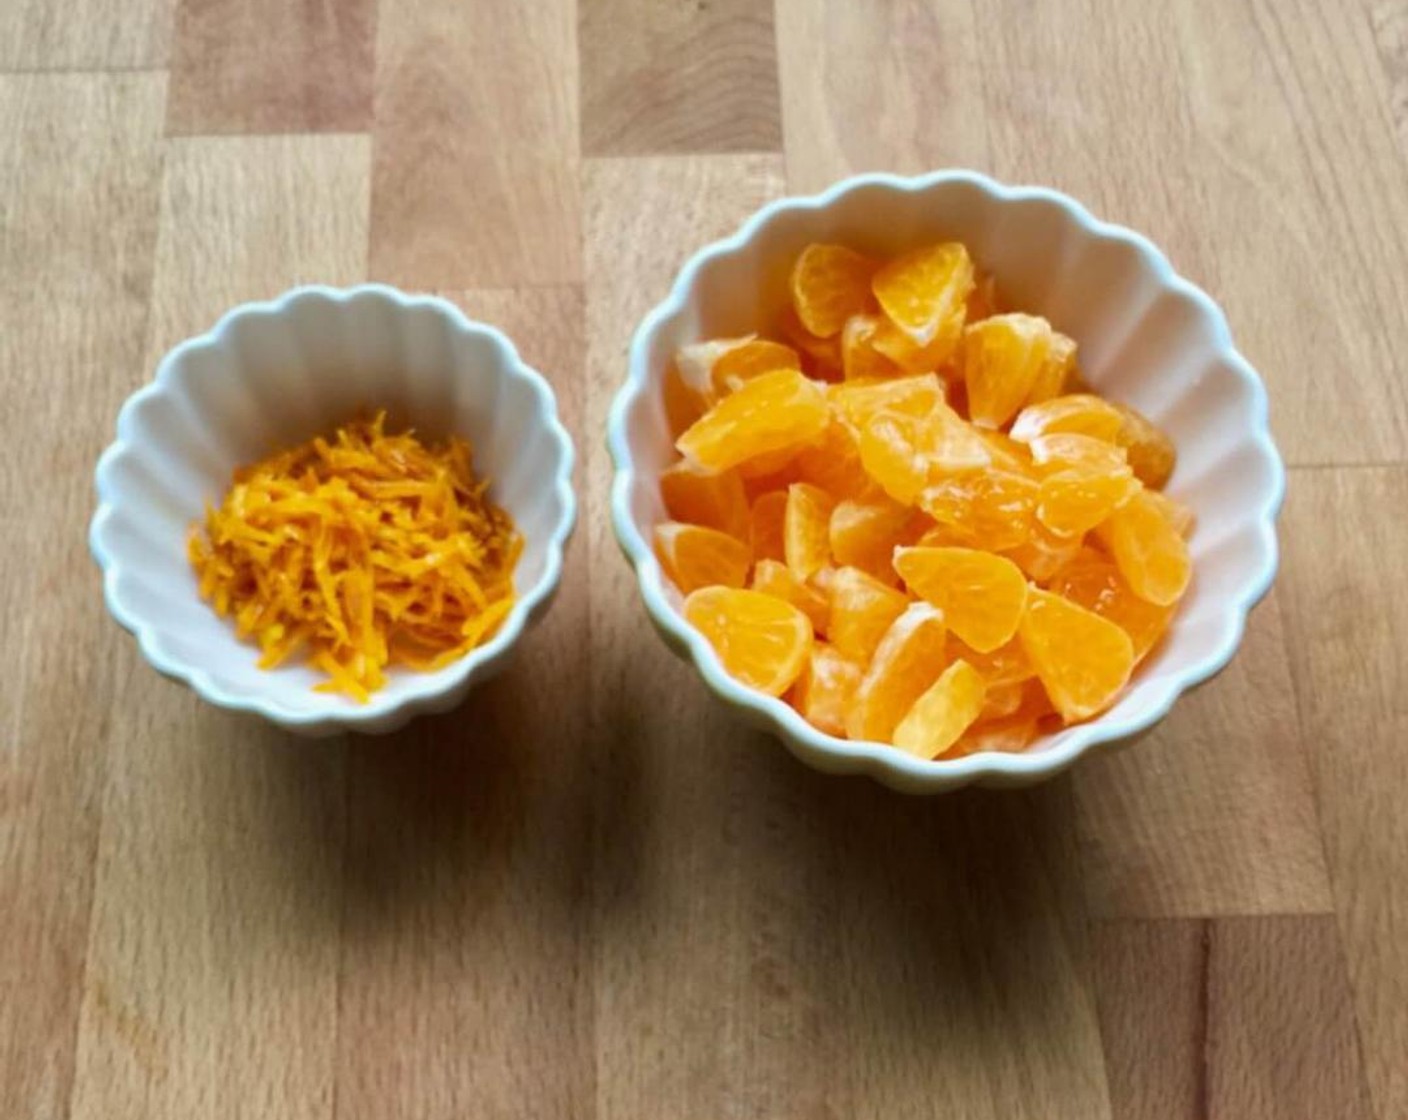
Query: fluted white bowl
272, 375
1147, 337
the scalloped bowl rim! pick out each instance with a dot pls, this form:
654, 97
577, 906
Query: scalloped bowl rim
881, 761
427, 692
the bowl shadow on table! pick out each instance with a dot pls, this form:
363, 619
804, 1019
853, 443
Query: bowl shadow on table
956, 912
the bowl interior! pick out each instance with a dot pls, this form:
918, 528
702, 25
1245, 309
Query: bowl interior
1145, 337
274, 376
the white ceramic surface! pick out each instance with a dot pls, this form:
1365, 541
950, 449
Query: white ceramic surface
1146, 336
271, 375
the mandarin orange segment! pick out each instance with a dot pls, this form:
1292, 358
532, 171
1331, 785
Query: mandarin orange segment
983, 301
1178, 515
859, 357
1057, 370
1070, 451
925, 292
945, 710
981, 594
776, 579
821, 357
1081, 659
683, 405
904, 453
1008, 664
1071, 503
695, 361
1151, 453
908, 660
765, 525
858, 402
1093, 581
865, 535
824, 690
1079, 413
1002, 356
996, 509
1001, 700
716, 501
829, 284
746, 361
833, 463
1012, 735
862, 609
761, 641
1043, 554
806, 541
910, 357
694, 556
769, 414
1006, 453
1151, 554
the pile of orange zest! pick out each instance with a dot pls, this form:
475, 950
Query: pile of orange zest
360, 552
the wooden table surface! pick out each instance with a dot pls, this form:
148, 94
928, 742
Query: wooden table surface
589, 892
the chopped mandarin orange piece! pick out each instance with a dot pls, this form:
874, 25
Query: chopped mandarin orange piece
1057, 370
865, 535
716, 501
1093, 581
765, 525
762, 642
821, 357
908, 660
830, 283
744, 362
1043, 554
904, 453
694, 556
805, 541
1081, 659
1080, 413
1150, 553
857, 402
981, 594
824, 690
683, 405
768, 414
910, 357
1008, 664
695, 361
925, 292
772, 470
1001, 359
833, 463
940, 716
859, 356
1175, 512
1069, 451
1001, 700
862, 609
776, 579
995, 509
1006, 453
1002, 736
983, 301
1151, 453
1071, 503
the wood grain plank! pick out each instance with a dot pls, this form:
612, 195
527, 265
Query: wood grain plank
1213, 813
678, 78
1152, 983
1388, 20
475, 181
84, 34
894, 85
466, 954
271, 66
246, 217
1238, 1017
1283, 1031
772, 941
1298, 190
79, 169
1345, 617
211, 985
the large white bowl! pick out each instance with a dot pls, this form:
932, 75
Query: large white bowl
271, 375
1147, 337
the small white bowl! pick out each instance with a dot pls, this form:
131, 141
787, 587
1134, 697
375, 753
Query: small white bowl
1147, 337
273, 375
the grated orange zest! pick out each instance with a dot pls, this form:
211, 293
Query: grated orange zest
360, 552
